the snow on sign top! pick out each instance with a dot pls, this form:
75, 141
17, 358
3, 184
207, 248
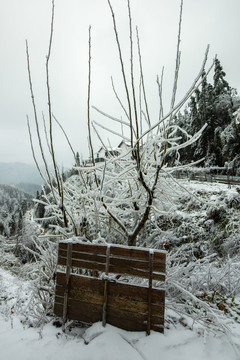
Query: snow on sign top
81, 240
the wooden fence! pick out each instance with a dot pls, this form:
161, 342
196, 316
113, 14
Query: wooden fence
97, 284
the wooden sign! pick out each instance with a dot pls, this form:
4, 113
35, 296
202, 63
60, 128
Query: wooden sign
101, 283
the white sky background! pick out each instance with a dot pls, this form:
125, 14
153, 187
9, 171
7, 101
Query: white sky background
216, 22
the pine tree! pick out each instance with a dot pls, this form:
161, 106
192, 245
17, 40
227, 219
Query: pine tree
212, 105
77, 159
220, 84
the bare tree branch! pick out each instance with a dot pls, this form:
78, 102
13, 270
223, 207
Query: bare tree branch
89, 94
142, 79
191, 90
123, 73
178, 56
112, 131
33, 152
36, 122
111, 117
160, 87
119, 100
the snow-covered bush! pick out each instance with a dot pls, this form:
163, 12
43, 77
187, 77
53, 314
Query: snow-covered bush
123, 196
13, 205
42, 275
133, 198
216, 214
204, 289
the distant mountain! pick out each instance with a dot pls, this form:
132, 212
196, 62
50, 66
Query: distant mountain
29, 188
16, 173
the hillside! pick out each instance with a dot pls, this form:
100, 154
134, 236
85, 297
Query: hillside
202, 290
13, 205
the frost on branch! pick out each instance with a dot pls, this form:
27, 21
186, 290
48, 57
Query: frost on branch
124, 198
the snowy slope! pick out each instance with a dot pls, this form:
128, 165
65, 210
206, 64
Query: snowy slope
96, 343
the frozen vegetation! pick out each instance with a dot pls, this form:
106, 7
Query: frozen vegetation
133, 198
202, 289
13, 205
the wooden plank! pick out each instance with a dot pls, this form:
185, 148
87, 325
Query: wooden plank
99, 258
85, 312
157, 320
84, 256
135, 292
117, 305
90, 314
117, 302
158, 264
88, 248
158, 296
137, 253
118, 265
158, 310
158, 327
78, 282
119, 251
58, 309
133, 321
120, 260
89, 308
127, 321
127, 304
115, 269
128, 270
133, 263
126, 324
83, 264
86, 295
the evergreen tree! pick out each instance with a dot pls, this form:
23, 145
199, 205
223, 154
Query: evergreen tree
213, 105
221, 86
77, 159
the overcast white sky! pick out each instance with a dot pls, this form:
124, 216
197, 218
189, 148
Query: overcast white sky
216, 22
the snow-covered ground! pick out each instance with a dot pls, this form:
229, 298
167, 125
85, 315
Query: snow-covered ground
18, 341
211, 225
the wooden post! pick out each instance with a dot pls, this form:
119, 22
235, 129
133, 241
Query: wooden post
104, 316
68, 272
150, 291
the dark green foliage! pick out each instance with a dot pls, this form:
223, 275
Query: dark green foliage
221, 86
213, 105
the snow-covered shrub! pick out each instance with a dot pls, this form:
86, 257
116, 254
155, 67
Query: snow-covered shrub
8, 259
27, 238
231, 246
203, 289
133, 198
13, 205
120, 196
42, 274
233, 200
217, 214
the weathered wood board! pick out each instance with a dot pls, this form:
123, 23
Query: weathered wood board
128, 306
